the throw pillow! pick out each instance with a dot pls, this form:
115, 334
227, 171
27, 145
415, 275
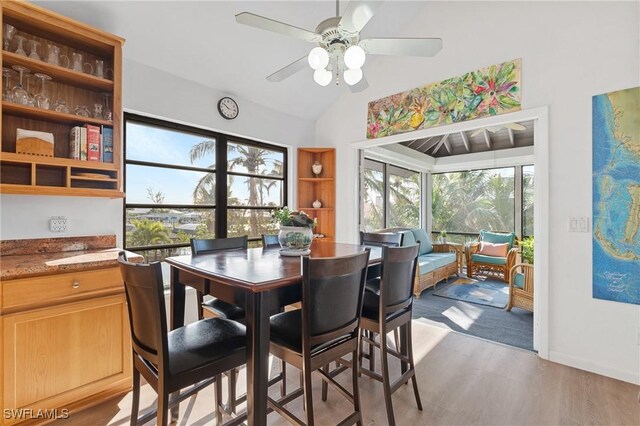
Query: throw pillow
495, 250
425, 242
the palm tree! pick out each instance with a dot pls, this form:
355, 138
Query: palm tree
147, 233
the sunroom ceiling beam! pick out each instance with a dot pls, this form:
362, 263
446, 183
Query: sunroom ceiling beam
465, 140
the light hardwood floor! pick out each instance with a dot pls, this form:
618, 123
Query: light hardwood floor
463, 381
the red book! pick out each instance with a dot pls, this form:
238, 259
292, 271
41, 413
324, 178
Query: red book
93, 142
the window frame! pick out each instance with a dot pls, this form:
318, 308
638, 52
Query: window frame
220, 207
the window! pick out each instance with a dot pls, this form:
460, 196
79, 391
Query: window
527, 200
466, 202
172, 177
400, 187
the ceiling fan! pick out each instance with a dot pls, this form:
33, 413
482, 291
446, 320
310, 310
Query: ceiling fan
339, 50
494, 129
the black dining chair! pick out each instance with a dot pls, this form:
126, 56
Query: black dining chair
324, 330
390, 309
270, 241
192, 356
388, 239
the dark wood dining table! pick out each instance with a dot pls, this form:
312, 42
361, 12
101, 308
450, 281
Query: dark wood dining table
259, 280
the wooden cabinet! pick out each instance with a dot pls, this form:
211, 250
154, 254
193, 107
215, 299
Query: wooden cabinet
319, 187
60, 175
66, 346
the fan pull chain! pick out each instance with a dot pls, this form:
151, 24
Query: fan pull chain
337, 7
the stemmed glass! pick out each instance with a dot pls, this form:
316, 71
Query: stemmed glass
34, 49
7, 34
42, 100
7, 73
106, 111
20, 49
20, 95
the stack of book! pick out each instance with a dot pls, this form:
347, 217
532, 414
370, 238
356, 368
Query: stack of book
91, 143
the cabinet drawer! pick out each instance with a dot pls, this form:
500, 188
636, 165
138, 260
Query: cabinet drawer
53, 289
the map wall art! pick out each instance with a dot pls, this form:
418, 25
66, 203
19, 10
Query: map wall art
616, 196
488, 91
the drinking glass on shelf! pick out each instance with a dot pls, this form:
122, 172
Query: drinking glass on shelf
7, 73
99, 68
78, 65
54, 57
106, 111
61, 106
34, 49
20, 49
19, 93
97, 111
82, 111
42, 100
30, 80
8, 31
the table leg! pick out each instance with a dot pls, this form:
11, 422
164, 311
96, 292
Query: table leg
176, 319
404, 336
257, 317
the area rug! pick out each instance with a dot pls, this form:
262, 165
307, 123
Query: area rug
470, 290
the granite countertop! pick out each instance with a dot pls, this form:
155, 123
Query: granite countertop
48, 255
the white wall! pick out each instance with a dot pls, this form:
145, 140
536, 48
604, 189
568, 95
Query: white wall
570, 51
151, 91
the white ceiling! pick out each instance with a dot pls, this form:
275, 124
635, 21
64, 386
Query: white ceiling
201, 41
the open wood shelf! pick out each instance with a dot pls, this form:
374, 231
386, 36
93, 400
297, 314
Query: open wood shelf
50, 115
311, 188
313, 208
11, 157
57, 73
63, 191
314, 179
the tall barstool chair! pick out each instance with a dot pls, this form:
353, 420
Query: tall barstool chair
324, 330
192, 356
389, 310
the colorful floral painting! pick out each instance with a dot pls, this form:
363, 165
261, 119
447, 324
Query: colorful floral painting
488, 91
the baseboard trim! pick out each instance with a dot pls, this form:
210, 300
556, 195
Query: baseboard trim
583, 364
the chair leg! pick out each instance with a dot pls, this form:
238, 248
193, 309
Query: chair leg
283, 384
412, 366
218, 399
233, 379
325, 386
356, 390
372, 348
135, 403
163, 407
308, 396
200, 298
386, 384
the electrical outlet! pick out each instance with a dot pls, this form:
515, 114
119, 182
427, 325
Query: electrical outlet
58, 224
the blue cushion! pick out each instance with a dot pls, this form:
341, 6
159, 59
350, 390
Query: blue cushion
518, 280
481, 258
408, 239
441, 259
426, 264
497, 238
425, 242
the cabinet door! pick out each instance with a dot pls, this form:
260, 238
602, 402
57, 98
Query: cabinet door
61, 355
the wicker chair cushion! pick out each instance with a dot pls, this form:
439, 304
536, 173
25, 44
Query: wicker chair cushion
431, 261
425, 242
494, 237
518, 280
408, 239
480, 258
491, 249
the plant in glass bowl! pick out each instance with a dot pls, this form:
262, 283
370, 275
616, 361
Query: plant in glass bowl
296, 231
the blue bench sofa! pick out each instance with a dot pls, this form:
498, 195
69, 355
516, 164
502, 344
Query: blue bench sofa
436, 262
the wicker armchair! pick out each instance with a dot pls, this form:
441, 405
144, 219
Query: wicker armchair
521, 287
490, 265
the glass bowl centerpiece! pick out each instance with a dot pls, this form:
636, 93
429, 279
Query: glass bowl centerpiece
296, 231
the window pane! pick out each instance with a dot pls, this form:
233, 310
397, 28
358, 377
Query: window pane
158, 145
250, 222
159, 185
404, 198
159, 254
250, 191
527, 200
157, 226
474, 200
243, 158
373, 202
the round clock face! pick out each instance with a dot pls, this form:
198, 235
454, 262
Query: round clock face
228, 108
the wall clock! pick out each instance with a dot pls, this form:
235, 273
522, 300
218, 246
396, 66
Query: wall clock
228, 108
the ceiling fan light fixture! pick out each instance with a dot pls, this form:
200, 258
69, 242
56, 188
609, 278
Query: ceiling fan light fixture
318, 58
322, 77
354, 57
352, 76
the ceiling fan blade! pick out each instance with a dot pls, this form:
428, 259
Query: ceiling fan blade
357, 14
263, 23
402, 46
289, 70
514, 126
359, 86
